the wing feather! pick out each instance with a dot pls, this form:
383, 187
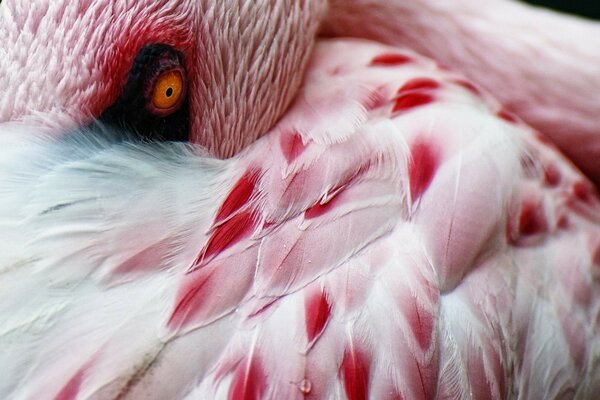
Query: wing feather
421, 250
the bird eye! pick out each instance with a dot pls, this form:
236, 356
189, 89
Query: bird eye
153, 104
168, 92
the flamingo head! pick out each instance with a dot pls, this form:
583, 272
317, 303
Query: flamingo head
218, 73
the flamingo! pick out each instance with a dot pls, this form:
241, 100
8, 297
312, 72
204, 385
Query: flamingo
211, 200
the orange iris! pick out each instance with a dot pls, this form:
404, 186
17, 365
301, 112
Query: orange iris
168, 90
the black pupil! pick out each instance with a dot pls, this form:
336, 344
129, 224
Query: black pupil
152, 105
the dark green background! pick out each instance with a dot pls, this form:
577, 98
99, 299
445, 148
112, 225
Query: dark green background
587, 8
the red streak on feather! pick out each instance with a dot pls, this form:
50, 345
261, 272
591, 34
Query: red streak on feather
292, 146
528, 221
71, 389
355, 370
563, 222
319, 209
481, 384
469, 86
318, 312
596, 256
262, 309
230, 232
332, 197
190, 298
239, 195
422, 168
532, 220
583, 190
552, 175
144, 260
421, 323
391, 59
508, 116
419, 83
411, 100
249, 381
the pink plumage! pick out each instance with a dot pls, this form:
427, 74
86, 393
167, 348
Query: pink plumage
396, 234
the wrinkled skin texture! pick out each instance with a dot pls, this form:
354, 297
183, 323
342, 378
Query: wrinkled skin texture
386, 229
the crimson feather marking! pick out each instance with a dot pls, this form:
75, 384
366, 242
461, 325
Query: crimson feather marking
355, 371
390, 60
423, 166
192, 298
552, 175
268, 304
411, 100
249, 381
228, 233
469, 86
329, 199
143, 260
532, 220
423, 376
419, 84
239, 195
596, 259
212, 290
479, 379
421, 322
508, 116
318, 312
583, 190
324, 205
292, 146
71, 389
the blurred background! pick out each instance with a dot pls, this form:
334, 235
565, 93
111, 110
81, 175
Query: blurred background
586, 8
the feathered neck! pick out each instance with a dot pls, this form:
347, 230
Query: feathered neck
63, 63
250, 61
